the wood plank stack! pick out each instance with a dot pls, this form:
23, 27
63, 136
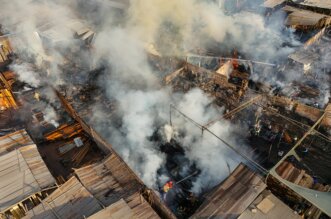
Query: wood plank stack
80, 155
65, 131
288, 171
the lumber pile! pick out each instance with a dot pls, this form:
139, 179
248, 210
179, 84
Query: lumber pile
80, 155
64, 131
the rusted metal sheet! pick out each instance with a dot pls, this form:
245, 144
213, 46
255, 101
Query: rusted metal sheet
233, 196
22, 173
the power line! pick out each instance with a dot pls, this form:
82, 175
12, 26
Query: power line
252, 162
293, 121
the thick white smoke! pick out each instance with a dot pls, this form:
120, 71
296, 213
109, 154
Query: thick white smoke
210, 154
144, 104
178, 27
175, 28
26, 73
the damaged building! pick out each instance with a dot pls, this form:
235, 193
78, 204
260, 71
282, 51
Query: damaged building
77, 139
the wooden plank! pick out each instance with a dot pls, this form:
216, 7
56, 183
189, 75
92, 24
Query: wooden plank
71, 200
118, 210
14, 140
104, 185
22, 173
233, 195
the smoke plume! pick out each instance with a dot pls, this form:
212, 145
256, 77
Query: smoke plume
174, 28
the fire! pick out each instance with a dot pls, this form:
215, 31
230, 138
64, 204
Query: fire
169, 185
7, 100
65, 131
37, 96
5, 49
235, 62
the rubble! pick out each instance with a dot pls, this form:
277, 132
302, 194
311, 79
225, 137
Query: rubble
281, 109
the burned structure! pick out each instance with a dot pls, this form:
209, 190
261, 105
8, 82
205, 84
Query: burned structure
209, 132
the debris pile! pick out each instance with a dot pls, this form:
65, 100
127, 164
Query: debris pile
165, 114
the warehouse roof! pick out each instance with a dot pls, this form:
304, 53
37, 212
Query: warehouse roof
71, 200
109, 182
22, 174
118, 210
230, 198
14, 140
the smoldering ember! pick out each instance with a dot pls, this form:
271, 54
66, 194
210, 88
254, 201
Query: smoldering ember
165, 109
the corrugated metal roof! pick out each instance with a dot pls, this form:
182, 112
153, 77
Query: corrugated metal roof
22, 173
233, 196
14, 140
118, 210
273, 3
300, 17
71, 200
110, 181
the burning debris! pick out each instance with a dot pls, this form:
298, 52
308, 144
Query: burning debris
180, 98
